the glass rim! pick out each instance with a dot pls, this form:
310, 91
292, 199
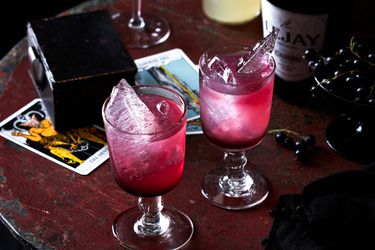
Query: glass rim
234, 46
171, 127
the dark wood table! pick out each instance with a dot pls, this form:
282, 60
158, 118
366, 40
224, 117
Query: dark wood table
53, 208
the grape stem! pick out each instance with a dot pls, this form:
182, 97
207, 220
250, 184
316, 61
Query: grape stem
274, 131
351, 72
353, 48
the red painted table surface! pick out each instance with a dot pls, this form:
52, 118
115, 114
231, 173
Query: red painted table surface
53, 208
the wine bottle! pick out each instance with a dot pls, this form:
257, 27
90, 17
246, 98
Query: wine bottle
302, 25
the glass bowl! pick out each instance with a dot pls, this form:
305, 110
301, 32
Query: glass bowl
352, 133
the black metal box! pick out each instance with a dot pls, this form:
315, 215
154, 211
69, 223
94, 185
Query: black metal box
75, 61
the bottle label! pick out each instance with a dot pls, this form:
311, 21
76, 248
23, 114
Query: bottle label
298, 32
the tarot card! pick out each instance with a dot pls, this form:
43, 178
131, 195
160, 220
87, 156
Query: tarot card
175, 70
80, 150
194, 127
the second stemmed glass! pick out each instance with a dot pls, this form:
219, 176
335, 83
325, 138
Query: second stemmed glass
235, 111
145, 30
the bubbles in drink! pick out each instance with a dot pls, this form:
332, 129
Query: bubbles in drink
126, 111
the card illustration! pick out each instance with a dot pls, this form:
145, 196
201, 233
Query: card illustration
80, 150
194, 127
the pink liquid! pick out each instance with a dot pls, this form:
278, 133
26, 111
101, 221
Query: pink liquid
150, 165
235, 117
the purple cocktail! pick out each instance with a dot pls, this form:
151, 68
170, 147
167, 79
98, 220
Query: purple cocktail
235, 107
146, 131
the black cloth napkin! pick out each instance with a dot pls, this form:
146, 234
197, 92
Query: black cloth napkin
335, 212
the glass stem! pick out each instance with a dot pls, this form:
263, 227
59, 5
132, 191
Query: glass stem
235, 163
136, 21
152, 222
236, 182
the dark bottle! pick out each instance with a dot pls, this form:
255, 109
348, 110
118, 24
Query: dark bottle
302, 25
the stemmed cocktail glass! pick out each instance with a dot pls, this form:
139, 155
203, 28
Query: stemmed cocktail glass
235, 108
146, 131
143, 29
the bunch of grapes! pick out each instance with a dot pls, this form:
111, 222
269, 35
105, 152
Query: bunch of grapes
294, 141
349, 74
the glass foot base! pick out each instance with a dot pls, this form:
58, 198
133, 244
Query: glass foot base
255, 193
155, 31
178, 234
352, 137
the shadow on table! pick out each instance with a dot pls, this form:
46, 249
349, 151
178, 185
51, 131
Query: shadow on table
9, 242
13, 20
11, 34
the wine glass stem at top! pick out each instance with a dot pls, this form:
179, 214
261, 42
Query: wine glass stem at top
136, 21
152, 222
